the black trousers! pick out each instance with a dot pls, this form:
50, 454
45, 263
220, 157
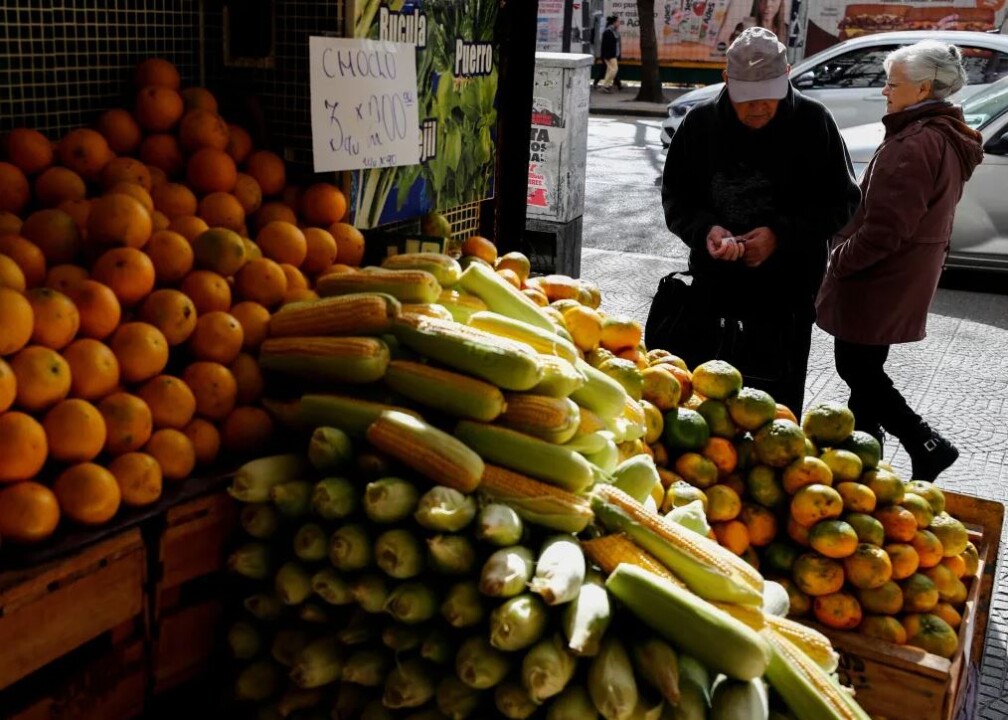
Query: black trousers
788, 387
874, 400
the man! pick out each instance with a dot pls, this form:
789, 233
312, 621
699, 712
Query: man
610, 51
756, 182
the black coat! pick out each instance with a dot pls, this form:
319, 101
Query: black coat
610, 43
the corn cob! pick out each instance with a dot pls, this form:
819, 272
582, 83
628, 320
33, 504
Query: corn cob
408, 286
554, 464
449, 392
590, 443
537, 502
587, 617
427, 309
560, 378
809, 692
608, 551
460, 304
253, 481
355, 314
590, 422
691, 624
508, 364
560, 570
444, 268
611, 681
351, 415
812, 642
328, 359
600, 393
501, 296
551, 419
736, 699
545, 342
751, 615
709, 570
637, 477
431, 452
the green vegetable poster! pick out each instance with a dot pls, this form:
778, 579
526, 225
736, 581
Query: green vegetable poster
456, 67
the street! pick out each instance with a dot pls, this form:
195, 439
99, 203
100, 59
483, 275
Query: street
957, 378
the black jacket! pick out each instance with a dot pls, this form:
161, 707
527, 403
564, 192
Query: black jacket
610, 43
793, 176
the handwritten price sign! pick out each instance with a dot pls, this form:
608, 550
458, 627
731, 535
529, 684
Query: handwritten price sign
363, 104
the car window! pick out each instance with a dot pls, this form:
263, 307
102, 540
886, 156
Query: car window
860, 68
986, 104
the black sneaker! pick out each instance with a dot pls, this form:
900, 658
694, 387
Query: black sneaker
931, 457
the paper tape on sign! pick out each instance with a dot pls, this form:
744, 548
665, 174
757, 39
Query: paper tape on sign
363, 104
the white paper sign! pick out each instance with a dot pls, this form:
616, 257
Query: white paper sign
363, 104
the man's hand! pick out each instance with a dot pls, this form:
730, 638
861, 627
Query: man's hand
759, 245
721, 245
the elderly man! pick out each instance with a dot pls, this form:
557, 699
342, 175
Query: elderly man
756, 182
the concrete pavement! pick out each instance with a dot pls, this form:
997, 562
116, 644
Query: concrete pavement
624, 102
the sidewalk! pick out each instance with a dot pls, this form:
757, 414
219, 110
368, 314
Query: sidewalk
623, 102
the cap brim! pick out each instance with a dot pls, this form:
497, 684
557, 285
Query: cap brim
747, 91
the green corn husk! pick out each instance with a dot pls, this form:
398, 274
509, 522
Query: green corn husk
437, 647
649, 708
513, 701
737, 699
691, 516
260, 520
264, 607
519, 623
573, 703
587, 617
479, 665
657, 664
390, 500
366, 667
314, 613
507, 572
350, 702
370, 591
269, 712
402, 638
408, 685
253, 480
547, 668
462, 606
694, 691
444, 509
455, 699
329, 449
334, 498
399, 554
374, 710
331, 587
292, 583
636, 476
298, 699
319, 663
560, 570
611, 682
292, 499
359, 629
350, 548
311, 543
451, 554
498, 524
257, 681
373, 465
428, 714
252, 560
244, 640
412, 603
287, 644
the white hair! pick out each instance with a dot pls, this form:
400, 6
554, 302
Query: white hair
939, 62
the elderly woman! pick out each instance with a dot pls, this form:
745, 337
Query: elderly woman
885, 264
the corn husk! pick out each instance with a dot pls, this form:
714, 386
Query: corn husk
329, 449
334, 498
252, 560
560, 570
287, 644
586, 619
445, 509
359, 629
573, 703
366, 667
657, 663
292, 499
370, 591
374, 710
314, 613
507, 571
412, 603
518, 623
390, 500
437, 647
257, 681
498, 524
244, 640
691, 516
636, 476
513, 701
260, 520
311, 543
351, 702
399, 554
350, 548
463, 606
264, 607
479, 665
297, 699
455, 699
253, 480
451, 554
292, 583
737, 699
401, 638
611, 682
408, 685
547, 668
332, 587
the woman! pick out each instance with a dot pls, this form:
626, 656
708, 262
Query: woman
884, 266
769, 14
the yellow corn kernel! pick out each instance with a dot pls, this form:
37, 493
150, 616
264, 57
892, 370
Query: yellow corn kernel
355, 314
609, 551
555, 420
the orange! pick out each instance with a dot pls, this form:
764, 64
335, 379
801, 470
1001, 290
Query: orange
29, 513
887, 599
88, 494
210, 170
262, 281
904, 559
8, 391
220, 250
43, 377
78, 210
761, 524
837, 610
883, 627
29, 150
28, 257
65, 278
919, 593
188, 226
163, 152
478, 246
857, 497
817, 575
172, 256
723, 503
585, 327
929, 548
141, 349
98, 308
75, 431
203, 129
120, 131
814, 503
272, 212
94, 369
158, 176
805, 471
171, 312
222, 209
174, 452
174, 199
949, 614
956, 563
248, 377
128, 422
245, 429
171, 402
899, 523
136, 192
217, 337
521, 266
10, 224
208, 291
119, 219
159, 221
128, 272
283, 242
85, 152
833, 538
254, 319
248, 193
239, 143
56, 185
269, 171
11, 275
733, 535
16, 321
512, 277
619, 333
696, 469
798, 533
156, 71
337, 268
197, 98
14, 190
323, 204
205, 438
139, 478
23, 447
158, 109
868, 567
56, 318
349, 243
295, 278
722, 453
214, 386
125, 170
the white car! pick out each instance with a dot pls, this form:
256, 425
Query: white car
980, 231
848, 77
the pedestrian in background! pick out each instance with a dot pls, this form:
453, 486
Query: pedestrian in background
756, 183
610, 51
885, 264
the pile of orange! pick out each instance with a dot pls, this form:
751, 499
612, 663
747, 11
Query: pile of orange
140, 260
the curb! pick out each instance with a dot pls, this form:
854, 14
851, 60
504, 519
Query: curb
634, 112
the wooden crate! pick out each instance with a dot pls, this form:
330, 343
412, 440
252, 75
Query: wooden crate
894, 681
47, 612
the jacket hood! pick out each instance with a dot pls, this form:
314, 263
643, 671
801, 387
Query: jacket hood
947, 119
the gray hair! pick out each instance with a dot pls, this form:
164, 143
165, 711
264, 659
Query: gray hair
939, 62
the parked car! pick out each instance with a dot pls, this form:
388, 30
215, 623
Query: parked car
848, 77
980, 232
